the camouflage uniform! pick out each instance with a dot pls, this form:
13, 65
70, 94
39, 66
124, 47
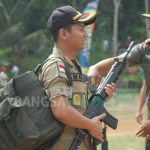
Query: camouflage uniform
54, 79
140, 54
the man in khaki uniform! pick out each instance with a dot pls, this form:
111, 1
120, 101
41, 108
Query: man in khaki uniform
139, 114
139, 54
68, 103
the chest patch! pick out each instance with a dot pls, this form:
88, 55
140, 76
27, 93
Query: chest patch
77, 99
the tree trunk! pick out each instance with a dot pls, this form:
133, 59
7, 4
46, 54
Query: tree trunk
5, 14
147, 11
115, 27
8, 16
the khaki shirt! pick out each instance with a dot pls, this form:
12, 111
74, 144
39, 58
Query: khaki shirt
140, 54
54, 79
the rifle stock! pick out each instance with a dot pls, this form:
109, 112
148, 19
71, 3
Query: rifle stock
97, 100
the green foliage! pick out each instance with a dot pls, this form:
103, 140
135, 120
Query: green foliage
4, 51
138, 78
35, 37
4, 60
12, 35
127, 142
29, 62
23, 24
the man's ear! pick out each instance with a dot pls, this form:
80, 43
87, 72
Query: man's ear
63, 34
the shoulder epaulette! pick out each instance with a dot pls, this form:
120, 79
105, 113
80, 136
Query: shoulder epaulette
147, 41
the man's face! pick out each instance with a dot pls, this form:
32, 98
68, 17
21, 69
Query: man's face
77, 37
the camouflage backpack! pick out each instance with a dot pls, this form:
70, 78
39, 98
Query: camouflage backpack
26, 120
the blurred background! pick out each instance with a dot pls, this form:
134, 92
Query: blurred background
26, 41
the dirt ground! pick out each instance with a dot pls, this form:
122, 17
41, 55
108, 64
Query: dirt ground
125, 113
125, 127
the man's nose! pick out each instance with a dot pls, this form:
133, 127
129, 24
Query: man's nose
86, 35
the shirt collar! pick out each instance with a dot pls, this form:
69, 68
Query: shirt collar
58, 53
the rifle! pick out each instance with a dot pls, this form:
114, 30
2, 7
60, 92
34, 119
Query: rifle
105, 143
97, 100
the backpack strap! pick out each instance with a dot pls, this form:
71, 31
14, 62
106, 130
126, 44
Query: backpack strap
38, 68
68, 73
3, 145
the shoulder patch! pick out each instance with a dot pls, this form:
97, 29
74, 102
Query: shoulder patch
53, 69
61, 67
147, 41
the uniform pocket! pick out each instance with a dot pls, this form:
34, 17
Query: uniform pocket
79, 102
78, 99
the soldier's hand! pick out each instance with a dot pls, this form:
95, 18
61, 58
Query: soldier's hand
139, 117
145, 130
96, 130
110, 88
94, 75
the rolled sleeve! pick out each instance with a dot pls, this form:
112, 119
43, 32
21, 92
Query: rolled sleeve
136, 54
59, 88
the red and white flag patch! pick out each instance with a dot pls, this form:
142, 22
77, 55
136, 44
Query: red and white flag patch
62, 68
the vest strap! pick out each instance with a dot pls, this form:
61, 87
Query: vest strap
37, 69
14, 131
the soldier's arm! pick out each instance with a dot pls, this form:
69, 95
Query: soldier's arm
102, 67
55, 84
141, 103
69, 116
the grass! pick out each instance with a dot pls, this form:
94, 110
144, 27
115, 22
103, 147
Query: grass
123, 138
124, 143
